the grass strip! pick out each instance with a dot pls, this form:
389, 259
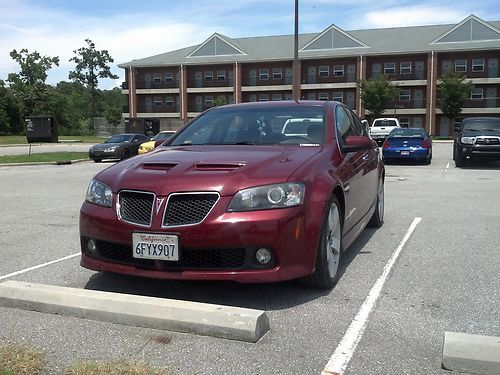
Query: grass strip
46, 157
21, 139
114, 368
16, 359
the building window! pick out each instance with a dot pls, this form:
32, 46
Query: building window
338, 70
252, 98
389, 68
277, 97
323, 96
324, 71
209, 100
405, 68
338, 96
169, 77
476, 93
478, 65
169, 101
221, 75
277, 73
157, 101
209, 76
263, 74
263, 97
461, 66
404, 122
404, 96
156, 77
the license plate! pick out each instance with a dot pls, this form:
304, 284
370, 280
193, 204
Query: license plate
155, 246
405, 152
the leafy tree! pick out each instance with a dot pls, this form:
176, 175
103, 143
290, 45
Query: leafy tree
377, 94
91, 65
113, 115
10, 112
452, 92
220, 100
29, 84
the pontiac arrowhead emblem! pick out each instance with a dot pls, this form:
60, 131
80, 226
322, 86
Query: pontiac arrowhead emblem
159, 203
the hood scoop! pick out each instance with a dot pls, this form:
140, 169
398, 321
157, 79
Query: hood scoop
214, 166
159, 166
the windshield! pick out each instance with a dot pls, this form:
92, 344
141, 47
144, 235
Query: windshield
119, 138
482, 125
162, 136
255, 125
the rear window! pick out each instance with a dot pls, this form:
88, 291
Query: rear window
408, 132
385, 123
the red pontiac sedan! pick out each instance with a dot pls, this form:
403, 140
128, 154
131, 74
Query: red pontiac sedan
235, 195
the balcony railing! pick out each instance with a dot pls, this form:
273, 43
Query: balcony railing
314, 79
201, 83
254, 81
157, 85
143, 108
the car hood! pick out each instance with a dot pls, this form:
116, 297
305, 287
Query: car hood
225, 169
104, 146
475, 133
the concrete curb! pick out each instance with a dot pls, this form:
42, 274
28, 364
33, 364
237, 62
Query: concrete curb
63, 162
471, 353
149, 312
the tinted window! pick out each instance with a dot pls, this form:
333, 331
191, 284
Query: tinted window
408, 132
343, 124
252, 125
384, 123
120, 138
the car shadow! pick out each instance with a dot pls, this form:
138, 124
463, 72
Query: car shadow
481, 164
269, 297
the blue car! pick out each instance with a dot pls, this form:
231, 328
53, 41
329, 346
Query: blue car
407, 144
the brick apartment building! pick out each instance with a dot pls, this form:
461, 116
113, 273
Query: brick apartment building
167, 89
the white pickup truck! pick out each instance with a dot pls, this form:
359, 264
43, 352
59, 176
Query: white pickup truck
381, 127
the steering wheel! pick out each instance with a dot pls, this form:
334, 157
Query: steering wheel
297, 139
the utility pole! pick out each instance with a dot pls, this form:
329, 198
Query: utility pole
296, 66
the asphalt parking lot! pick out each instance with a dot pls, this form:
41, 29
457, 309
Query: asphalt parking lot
445, 278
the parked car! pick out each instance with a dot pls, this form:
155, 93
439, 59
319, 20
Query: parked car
381, 127
476, 137
151, 144
407, 144
229, 197
120, 146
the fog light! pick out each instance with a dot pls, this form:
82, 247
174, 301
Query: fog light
263, 256
92, 246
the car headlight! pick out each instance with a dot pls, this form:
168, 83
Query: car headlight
111, 149
268, 197
99, 193
468, 140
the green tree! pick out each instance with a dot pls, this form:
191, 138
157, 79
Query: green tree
452, 92
91, 65
29, 84
10, 112
378, 94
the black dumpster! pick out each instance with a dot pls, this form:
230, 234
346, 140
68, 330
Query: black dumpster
41, 129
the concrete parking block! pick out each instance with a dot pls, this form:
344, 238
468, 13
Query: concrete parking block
473, 354
150, 312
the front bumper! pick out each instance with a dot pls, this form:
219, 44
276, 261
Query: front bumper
289, 234
104, 154
480, 151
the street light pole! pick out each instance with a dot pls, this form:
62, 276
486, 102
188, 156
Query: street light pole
296, 66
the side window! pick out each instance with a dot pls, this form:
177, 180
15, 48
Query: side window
358, 126
344, 125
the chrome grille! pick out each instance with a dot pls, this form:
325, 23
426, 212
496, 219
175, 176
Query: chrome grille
136, 207
488, 141
188, 208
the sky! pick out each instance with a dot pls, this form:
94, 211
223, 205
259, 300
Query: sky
132, 29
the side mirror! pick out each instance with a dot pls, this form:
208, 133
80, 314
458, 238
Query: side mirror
457, 128
356, 143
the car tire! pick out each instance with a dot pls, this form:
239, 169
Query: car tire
97, 160
459, 158
377, 218
125, 154
329, 252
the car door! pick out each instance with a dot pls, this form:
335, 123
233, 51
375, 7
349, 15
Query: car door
360, 180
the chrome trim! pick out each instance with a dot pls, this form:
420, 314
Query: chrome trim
130, 222
188, 193
484, 137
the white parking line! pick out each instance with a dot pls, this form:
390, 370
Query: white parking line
39, 266
342, 355
446, 168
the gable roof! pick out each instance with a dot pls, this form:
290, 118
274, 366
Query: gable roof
217, 45
334, 43
471, 29
332, 38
